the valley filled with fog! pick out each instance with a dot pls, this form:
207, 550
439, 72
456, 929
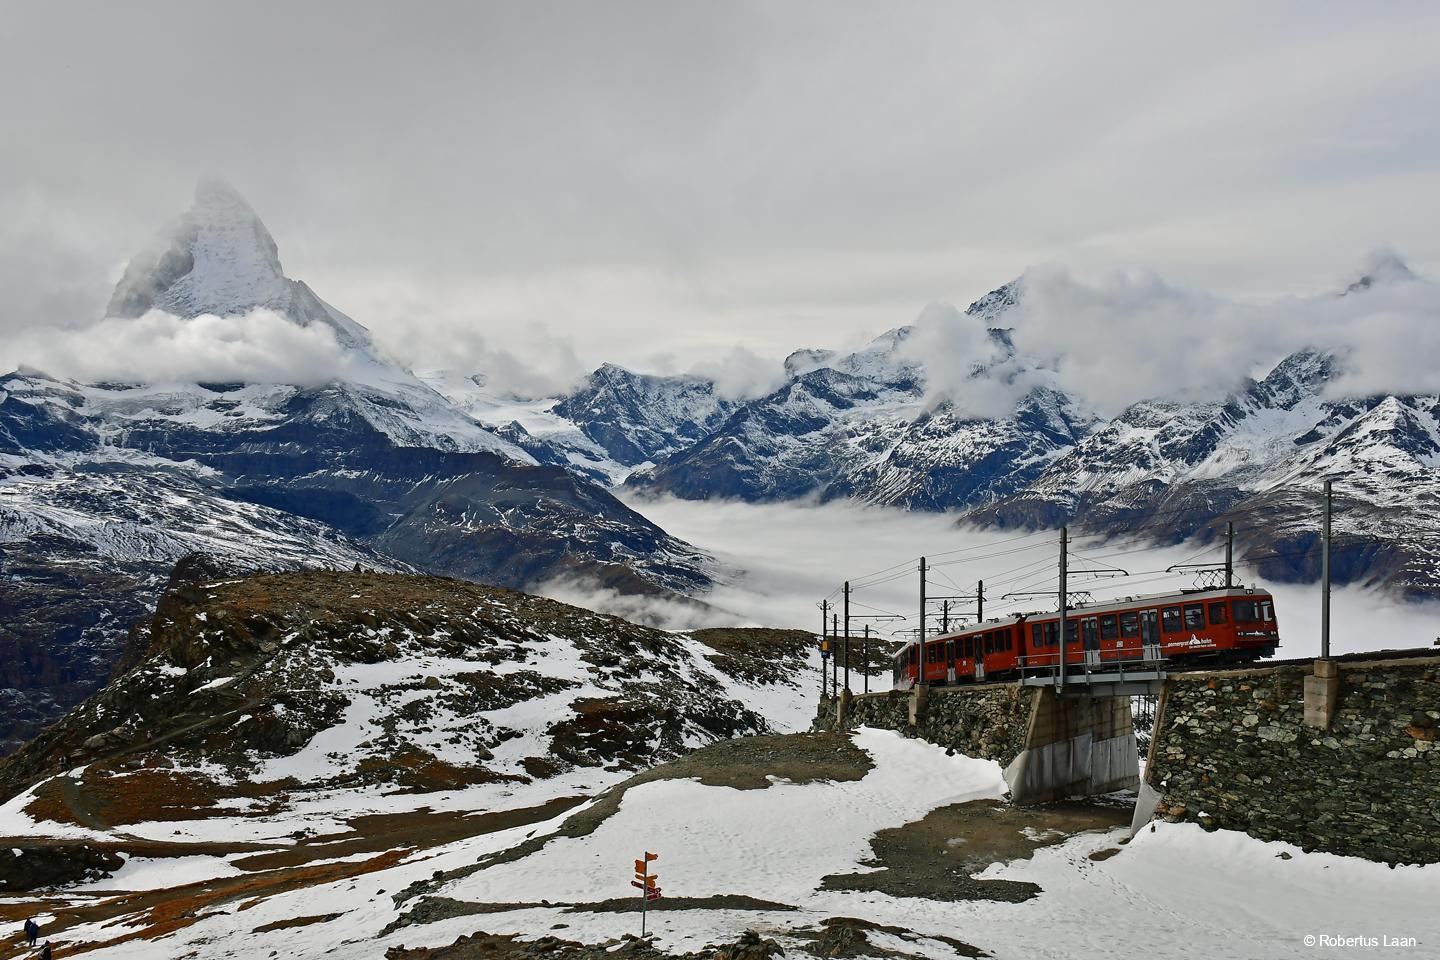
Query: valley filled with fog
782, 559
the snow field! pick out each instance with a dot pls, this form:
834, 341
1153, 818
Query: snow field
776, 843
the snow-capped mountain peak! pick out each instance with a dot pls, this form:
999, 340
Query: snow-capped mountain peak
1381, 268
219, 258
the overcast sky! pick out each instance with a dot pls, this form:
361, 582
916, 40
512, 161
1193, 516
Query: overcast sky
653, 183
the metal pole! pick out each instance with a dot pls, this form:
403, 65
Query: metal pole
980, 602
1325, 579
945, 616
834, 656
847, 636
920, 649
824, 626
1064, 597
865, 656
1229, 554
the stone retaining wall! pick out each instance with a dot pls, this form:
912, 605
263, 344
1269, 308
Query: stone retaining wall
1051, 748
1231, 750
987, 720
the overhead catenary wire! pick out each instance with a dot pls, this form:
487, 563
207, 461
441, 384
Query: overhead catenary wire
1156, 530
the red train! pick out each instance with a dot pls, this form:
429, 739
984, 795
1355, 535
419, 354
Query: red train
1226, 625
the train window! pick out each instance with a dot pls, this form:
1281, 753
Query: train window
1130, 624
1170, 619
1267, 611
1037, 639
1217, 613
1194, 616
990, 643
1109, 628
949, 651
1090, 630
1247, 611
1072, 631
1009, 639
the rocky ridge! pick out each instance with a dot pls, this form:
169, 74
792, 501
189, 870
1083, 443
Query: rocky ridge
320, 680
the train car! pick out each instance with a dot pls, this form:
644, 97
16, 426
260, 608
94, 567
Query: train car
1230, 625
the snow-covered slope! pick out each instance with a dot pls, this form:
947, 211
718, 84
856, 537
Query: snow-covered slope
531, 425
85, 546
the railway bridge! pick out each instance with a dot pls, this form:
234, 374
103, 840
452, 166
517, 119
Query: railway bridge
1337, 754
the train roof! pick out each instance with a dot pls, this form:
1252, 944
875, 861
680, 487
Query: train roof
1150, 599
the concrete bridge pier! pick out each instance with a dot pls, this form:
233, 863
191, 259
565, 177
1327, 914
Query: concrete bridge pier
1074, 747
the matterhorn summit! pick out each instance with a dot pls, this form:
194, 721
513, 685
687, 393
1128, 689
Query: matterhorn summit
1382, 268
218, 258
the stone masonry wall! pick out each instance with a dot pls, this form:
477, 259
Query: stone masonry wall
987, 721
1231, 751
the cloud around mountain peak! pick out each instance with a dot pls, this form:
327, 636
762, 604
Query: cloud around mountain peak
1132, 335
207, 301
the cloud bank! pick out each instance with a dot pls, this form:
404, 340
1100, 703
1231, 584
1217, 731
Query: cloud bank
741, 374
1132, 335
258, 347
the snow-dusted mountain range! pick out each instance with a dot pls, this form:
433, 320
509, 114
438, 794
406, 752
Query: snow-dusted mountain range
870, 425
104, 485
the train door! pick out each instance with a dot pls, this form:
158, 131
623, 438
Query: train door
1090, 640
949, 661
982, 646
1110, 637
1150, 634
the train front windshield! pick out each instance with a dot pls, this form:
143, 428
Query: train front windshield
1254, 611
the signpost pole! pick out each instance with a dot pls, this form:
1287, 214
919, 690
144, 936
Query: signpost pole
645, 880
